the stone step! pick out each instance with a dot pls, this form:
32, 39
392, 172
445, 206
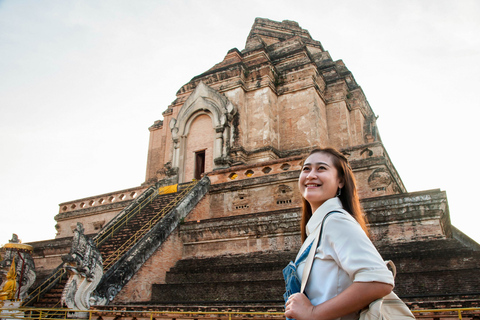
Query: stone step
245, 277
206, 277
241, 291
255, 261
134, 224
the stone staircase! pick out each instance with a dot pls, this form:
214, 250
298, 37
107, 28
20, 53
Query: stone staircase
52, 297
243, 279
112, 244
130, 261
442, 266
125, 237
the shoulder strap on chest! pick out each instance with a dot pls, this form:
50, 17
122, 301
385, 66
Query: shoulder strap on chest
311, 253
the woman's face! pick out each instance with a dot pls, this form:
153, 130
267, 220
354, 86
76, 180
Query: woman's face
319, 180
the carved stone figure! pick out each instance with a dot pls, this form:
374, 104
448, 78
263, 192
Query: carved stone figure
379, 179
85, 269
19, 255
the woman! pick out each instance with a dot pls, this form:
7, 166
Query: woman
348, 273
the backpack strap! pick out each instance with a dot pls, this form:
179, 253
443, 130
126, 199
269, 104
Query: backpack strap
311, 254
390, 264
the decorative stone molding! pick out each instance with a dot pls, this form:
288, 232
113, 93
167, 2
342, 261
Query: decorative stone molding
100, 200
292, 164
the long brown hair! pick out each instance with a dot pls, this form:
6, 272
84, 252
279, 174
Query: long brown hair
348, 196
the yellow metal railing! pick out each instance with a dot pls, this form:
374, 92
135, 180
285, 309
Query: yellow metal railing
54, 278
453, 312
104, 235
64, 314
68, 314
113, 257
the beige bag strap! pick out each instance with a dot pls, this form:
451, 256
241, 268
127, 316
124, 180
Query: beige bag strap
311, 255
392, 266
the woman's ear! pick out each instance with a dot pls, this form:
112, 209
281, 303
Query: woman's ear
341, 183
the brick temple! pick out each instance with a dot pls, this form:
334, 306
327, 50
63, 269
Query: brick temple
240, 131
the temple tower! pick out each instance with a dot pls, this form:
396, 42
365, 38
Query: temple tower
280, 96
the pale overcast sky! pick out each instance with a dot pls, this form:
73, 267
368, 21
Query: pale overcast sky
81, 82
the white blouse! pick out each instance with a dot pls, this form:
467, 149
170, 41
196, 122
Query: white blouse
345, 255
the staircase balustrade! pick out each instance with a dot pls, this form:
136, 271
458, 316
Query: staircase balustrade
112, 228
112, 258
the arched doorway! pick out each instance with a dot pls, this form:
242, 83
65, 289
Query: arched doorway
199, 146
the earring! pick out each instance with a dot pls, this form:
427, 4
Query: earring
339, 192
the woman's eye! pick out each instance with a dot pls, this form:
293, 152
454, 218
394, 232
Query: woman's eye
305, 168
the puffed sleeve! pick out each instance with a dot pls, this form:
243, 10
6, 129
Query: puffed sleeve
353, 251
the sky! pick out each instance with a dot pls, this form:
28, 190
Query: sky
81, 82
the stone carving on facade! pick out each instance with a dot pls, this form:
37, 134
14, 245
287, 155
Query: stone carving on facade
204, 100
167, 171
84, 266
241, 200
19, 255
283, 194
379, 179
370, 128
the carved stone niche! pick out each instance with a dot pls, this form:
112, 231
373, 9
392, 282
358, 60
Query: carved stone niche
283, 194
167, 171
98, 225
379, 180
204, 100
366, 153
370, 129
241, 200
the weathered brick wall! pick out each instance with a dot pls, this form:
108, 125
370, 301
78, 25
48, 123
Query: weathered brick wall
435, 269
158, 155
139, 288
270, 231
418, 216
254, 194
302, 120
47, 255
260, 128
201, 210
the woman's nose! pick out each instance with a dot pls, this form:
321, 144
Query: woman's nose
312, 174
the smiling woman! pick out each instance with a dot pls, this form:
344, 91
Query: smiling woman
347, 273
